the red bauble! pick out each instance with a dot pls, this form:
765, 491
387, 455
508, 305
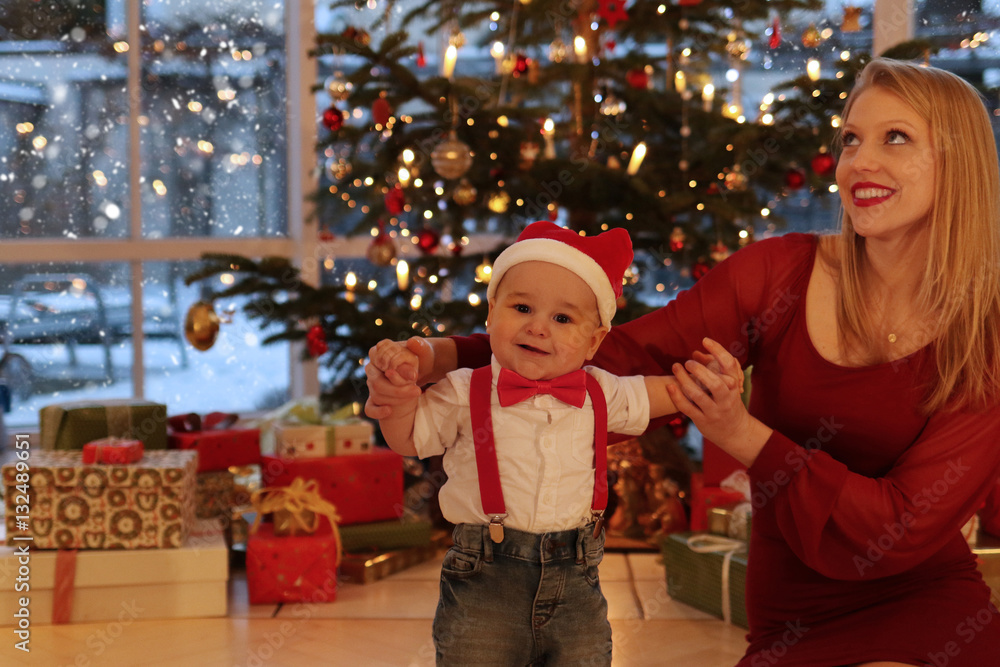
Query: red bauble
521, 64
699, 269
395, 200
823, 164
381, 111
316, 341
637, 78
421, 58
428, 240
795, 179
333, 119
775, 40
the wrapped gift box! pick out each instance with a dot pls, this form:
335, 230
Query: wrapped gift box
72, 425
113, 450
696, 579
371, 566
342, 438
214, 494
149, 504
364, 488
291, 569
704, 498
220, 449
385, 535
121, 584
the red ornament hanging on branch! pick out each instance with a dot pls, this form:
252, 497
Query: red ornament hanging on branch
395, 200
381, 111
612, 11
637, 78
823, 164
795, 178
421, 58
333, 119
775, 40
699, 269
428, 240
382, 250
316, 341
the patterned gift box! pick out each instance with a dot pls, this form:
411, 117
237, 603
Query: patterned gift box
385, 535
342, 438
218, 450
363, 488
122, 584
72, 425
701, 578
291, 569
214, 494
149, 504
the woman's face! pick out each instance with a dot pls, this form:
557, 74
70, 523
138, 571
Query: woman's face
887, 169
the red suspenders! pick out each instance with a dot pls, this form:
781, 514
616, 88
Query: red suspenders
490, 491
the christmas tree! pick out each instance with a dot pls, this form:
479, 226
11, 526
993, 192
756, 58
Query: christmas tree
592, 113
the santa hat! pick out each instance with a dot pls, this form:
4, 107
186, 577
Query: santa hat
600, 260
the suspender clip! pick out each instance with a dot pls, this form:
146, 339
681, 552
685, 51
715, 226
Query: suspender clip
496, 527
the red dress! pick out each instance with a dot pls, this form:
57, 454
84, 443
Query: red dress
856, 552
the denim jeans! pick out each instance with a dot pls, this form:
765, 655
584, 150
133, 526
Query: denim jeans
532, 599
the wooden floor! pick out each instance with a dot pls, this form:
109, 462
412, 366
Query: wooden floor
384, 623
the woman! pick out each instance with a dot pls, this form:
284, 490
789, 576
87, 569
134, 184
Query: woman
871, 435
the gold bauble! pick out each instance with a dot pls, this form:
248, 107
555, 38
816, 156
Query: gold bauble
499, 201
201, 325
451, 158
465, 193
811, 37
382, 250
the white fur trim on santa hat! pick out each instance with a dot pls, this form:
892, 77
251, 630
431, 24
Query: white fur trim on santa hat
560, 254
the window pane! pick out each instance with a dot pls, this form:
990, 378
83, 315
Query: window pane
67, 335
213, 126
237, 374
62, 96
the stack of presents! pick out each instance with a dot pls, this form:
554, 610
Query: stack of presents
124, 510
706, 567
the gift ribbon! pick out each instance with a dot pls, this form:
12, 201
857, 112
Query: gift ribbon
63, 587
715, 544
298, 498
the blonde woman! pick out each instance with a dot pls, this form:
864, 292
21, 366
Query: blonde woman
873, 432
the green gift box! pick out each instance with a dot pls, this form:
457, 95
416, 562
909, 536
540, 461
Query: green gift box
66, 426
702, 569
385, 535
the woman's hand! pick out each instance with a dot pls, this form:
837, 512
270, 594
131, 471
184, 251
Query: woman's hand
392, 370
714, 406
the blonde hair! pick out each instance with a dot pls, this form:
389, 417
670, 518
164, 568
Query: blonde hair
961, 279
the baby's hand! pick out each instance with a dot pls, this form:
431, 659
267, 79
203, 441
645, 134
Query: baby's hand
393, 370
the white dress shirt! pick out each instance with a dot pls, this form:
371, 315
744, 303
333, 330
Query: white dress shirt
545, 449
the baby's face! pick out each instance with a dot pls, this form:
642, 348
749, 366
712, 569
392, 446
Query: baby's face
543, 321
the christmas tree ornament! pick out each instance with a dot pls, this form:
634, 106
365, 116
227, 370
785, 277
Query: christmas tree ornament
679, 426
325, 234
333, 119
637, 78
557, 50
736, 180
795, 178
464, 193
811, 37
338, 87
357, 35
456, 39
395, 200
381, 111
719, 252
852, 19
823, 164
382, 250
499, 202
451, 158
688, 3
428, 240
677, 238
529, 153
775, 40
610, 44
421, 58
520, 65
712, 189
612, 11
316, 341
699, 269
201, 325
455, 248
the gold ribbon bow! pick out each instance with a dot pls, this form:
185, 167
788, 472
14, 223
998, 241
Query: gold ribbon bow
301, 497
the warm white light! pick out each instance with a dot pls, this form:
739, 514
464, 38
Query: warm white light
580, 47
402, 274
636, 160
707, 95
448, 66
408, 156
812, 69
680, 82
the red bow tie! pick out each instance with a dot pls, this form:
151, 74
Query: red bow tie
570, 388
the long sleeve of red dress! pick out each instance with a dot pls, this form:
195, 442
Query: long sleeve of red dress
858, 496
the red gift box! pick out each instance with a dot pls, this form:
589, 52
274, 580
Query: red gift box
218, 447
291, 569
363, 487
704, 498
116, 451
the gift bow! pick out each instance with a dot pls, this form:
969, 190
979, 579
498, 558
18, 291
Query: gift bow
570, 388
715, 544
192, 421
297, 499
